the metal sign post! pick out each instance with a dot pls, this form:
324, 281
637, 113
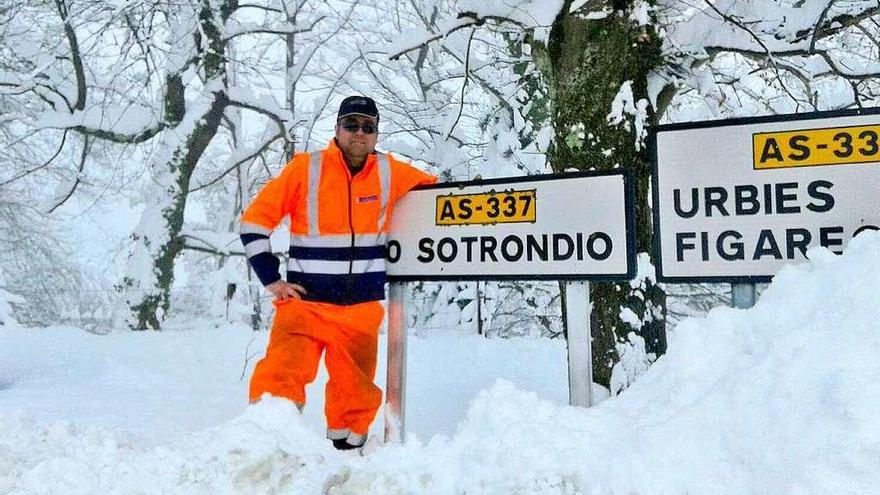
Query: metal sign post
580, 345
743, 296
395, 396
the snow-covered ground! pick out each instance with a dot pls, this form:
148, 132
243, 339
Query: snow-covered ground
780, 399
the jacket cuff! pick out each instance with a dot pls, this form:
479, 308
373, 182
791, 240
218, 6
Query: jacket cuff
269, 279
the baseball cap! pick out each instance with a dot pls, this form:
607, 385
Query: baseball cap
358, 105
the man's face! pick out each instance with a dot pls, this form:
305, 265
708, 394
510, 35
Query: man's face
351, 137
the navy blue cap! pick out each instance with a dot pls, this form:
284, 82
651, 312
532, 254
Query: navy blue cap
358, 105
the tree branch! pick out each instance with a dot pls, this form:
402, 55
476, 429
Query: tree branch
266, 30
39, 167
82, 164
260, 7
467, 62
251, 156
762, 56
467, 19
75, 56
271, 115
824, 27
816, 30
118, 137
767, 51
829, 27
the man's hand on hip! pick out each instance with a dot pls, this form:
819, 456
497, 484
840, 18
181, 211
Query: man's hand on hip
283, 290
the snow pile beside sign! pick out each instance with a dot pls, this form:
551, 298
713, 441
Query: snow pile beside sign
782, 398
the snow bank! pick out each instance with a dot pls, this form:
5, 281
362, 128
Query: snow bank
783, 398
264, 450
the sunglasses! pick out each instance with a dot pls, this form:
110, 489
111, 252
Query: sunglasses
352, 127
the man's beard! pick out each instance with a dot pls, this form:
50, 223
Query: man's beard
356, 158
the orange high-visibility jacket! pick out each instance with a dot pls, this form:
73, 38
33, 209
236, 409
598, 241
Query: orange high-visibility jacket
338, 223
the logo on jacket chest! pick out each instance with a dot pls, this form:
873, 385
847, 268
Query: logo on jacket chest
368, 199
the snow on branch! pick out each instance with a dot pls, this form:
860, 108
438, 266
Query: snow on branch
766, 28
832, 65
527, 14
796, 47
264, 105
240, 157
129, 124
414, 40
212, 242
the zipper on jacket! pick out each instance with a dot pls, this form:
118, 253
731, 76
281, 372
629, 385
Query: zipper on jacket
351, 251
350, 283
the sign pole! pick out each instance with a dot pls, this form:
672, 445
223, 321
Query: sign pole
743, 295
395, 383
580, 353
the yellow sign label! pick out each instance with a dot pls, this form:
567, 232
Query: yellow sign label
487, 208
812, 147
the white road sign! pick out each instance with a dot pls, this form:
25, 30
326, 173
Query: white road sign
735, 200
571, 226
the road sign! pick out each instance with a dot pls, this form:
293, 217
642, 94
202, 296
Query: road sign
577, 226
735, 200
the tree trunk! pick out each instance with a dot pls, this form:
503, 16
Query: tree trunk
150, 304
157, 237
291, 77
585, 63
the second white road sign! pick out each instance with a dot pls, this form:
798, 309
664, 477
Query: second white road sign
571, 226
735, 200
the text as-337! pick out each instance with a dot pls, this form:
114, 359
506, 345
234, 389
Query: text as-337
813, 147
487, 208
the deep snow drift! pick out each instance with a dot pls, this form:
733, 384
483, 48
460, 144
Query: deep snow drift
783, 398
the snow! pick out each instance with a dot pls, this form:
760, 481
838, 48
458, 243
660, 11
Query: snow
127, 120
645, 272
624, 104
780, 398
130, 380
414, 38
7, 319
634, 361
775, 26
264, 103
641, 13
530, 14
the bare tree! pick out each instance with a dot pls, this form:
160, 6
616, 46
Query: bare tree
154, 74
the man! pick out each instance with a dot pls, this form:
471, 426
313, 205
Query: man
339, 201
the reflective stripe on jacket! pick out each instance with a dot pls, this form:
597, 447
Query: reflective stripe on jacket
338, 223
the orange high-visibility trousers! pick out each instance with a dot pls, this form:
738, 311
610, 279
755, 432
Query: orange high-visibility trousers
301, 331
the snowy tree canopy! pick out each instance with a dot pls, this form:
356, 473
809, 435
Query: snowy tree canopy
176, 113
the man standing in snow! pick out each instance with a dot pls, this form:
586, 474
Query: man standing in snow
339, 201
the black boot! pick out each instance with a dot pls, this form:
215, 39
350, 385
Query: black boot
342, 444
